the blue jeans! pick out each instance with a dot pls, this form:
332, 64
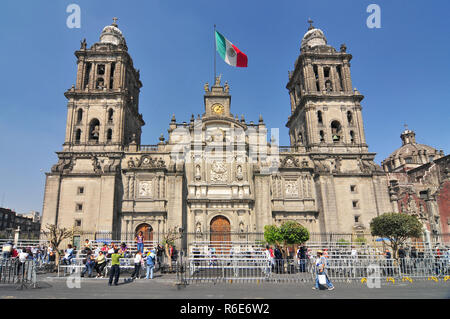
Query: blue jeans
329, 284
140, 247
88, 268
150, 271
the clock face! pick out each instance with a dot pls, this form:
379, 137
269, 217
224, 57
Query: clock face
218, 108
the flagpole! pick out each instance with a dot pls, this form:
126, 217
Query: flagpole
215, 49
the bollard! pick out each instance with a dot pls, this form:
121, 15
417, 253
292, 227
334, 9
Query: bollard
390, 279
407, 279
433, 278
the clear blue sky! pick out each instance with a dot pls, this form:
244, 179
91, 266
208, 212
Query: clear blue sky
403, 69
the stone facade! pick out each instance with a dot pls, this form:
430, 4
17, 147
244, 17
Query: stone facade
216, 164
419, 184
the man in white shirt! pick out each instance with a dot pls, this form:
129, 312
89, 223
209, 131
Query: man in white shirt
137, 265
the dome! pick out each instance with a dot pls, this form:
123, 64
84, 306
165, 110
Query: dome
112, 34
314, 37
411, 153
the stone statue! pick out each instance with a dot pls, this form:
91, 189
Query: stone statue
83, 44
227, 88
239, 175
96, 131
206, 87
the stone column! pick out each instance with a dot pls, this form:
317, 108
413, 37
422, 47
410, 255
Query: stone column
335, 79
107, 75
321, 78
81, 69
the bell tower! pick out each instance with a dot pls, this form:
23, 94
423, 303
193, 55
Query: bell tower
103, 106
325, 109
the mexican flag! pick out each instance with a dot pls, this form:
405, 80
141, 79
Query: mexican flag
229, 52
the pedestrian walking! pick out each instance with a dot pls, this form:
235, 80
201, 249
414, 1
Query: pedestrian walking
115, 267
321, 272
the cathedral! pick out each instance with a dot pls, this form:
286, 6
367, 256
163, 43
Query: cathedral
216, 173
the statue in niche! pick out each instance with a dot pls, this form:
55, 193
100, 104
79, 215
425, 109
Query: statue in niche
239, 175
328, 87
96, 132
198, 175
198, 228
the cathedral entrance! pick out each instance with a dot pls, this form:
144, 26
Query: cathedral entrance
220, 234
146, 230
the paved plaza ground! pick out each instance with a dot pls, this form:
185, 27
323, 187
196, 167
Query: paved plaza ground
164, 287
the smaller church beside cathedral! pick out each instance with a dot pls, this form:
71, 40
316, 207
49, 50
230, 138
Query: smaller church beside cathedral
206, 177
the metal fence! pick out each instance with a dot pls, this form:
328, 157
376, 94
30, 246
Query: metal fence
13, 271
291, 270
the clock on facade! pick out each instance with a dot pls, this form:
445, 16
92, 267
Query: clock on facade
217, 108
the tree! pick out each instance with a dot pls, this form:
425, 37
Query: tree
396, 227
289, 233
56, 235
169, 238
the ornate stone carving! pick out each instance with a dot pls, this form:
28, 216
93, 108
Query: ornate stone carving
64, 165
131, 163
219, 172
149, 162
291, 188
112, 166
289, 162
96, 165
145, 188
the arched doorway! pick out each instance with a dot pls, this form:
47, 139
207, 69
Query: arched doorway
220, 233
147, 231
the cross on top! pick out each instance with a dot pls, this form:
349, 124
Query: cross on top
115, 20
310, 24
406, 126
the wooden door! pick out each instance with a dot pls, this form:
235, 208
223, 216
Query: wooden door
220, 233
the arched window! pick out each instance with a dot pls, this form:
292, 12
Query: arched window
349, 117
319, 117
109, 135
352, 137
79, 115
336, 131
110, 115
94, 130
77, 136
